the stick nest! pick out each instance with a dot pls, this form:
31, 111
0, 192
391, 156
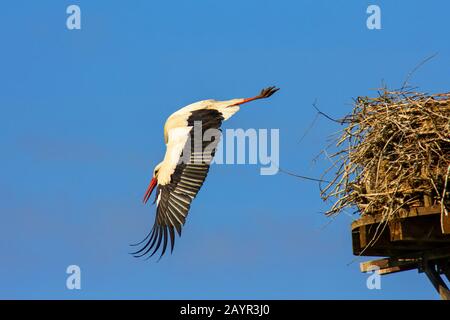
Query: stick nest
392, 155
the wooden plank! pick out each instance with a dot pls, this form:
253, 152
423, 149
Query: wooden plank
422, 211
400, 248
445, 221
397, 269
395, 230
356, 242
364, 221
372, 248
362, 236
413, 212
418, 230
380, 263
389, 265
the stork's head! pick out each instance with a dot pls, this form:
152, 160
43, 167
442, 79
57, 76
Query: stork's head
152, 184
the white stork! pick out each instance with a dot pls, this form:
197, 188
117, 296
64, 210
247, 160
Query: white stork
178, 182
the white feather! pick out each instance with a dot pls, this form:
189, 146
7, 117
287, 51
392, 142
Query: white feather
177, 138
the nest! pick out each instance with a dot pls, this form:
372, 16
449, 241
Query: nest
392, 155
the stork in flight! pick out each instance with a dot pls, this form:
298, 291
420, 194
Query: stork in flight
178, 182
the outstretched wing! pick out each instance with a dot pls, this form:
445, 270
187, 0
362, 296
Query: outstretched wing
174, 198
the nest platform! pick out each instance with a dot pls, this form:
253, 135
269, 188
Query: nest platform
416, 239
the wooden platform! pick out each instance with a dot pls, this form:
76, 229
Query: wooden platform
415, 239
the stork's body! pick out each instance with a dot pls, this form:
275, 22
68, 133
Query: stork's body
178, 182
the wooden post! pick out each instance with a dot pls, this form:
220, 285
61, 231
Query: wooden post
435, 278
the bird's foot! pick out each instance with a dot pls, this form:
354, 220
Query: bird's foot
267, 92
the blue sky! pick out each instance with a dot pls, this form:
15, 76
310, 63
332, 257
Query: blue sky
81, 129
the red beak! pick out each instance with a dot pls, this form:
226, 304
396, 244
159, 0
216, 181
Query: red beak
150, 188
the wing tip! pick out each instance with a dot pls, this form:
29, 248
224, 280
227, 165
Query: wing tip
158, 238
